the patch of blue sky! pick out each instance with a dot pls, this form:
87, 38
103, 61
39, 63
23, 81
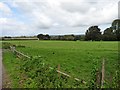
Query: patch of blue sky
3, 0
104, 26
17, 14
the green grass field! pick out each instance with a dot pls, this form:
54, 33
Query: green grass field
76, 58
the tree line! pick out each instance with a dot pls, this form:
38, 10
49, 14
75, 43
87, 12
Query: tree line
93, 33
110, 34
60, 37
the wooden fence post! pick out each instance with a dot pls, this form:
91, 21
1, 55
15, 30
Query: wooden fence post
18, 54
103, 72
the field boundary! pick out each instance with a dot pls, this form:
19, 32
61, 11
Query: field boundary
100, 76
19, 54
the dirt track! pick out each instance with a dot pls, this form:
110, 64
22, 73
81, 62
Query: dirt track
5, 79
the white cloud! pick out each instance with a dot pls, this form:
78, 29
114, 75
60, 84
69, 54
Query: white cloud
89, 13
46, 14
4, 10
2, 21
41, 20
13, 27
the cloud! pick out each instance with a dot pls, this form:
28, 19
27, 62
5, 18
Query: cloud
4, 10
91, 14
13, 27
72, 13
44, 15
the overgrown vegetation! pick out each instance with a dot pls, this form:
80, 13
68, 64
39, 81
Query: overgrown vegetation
42, 76
6, 45
34, 73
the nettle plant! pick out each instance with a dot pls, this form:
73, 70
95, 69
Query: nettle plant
94, 82
40, 75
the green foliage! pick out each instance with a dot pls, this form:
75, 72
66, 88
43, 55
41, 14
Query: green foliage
6, 45
43, 37
93, 33
116, 28
116, 79
109, 35
41, 76
93, 81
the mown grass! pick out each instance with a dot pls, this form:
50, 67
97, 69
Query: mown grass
75, 57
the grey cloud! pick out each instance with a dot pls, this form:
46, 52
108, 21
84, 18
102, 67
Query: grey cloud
76, 7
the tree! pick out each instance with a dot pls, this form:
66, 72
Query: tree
40, 36
46, 37
116, 28
69, 37
43, 37
93, 33
77, 37
109, 35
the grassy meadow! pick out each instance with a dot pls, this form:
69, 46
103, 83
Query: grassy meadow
76, 58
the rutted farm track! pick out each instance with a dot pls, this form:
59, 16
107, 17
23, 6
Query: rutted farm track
6, 79
6, 82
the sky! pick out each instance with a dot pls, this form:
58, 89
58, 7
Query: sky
55, 17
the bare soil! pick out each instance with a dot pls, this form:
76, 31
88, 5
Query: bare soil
6, 82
